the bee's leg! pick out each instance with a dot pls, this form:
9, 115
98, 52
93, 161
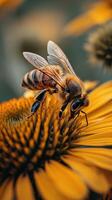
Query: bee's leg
38, 101
34, 108
74, 115
62, 109
64, 106
85, 117
41, 95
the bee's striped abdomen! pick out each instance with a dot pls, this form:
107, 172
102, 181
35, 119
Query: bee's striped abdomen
33, 79
37, 80
30, 80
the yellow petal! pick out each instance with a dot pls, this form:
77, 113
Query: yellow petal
95, 125
91, 175
98, 13
46, 187
99, 157
90, 85
100, 136
7, 191
99, 97
96, 143
70, 184
24, 189
101, 111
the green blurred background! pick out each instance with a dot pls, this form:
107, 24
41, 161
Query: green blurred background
28, 28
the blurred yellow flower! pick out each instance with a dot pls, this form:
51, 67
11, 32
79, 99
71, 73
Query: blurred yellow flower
97, 13
46, 158
7, 5
99, 47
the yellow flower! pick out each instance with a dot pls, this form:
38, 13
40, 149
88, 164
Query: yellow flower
46, 158
98, 13
9, 3
99, 47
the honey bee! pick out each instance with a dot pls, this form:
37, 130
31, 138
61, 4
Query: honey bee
55, 75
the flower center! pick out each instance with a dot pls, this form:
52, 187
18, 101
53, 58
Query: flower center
27, 143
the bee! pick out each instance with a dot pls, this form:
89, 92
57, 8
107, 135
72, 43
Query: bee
55, 75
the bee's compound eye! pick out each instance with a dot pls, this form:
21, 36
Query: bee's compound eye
75, 104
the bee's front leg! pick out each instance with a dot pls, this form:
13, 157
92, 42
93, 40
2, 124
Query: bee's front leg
68, 99
74, 115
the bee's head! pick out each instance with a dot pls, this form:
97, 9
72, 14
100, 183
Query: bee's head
74, 88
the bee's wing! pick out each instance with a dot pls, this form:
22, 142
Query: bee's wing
40, 63
35, 59
51, 72
57, 56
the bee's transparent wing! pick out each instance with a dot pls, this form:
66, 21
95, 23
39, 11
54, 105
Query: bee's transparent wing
40, 63
53, 60
51, 72
35, 59
57, 57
